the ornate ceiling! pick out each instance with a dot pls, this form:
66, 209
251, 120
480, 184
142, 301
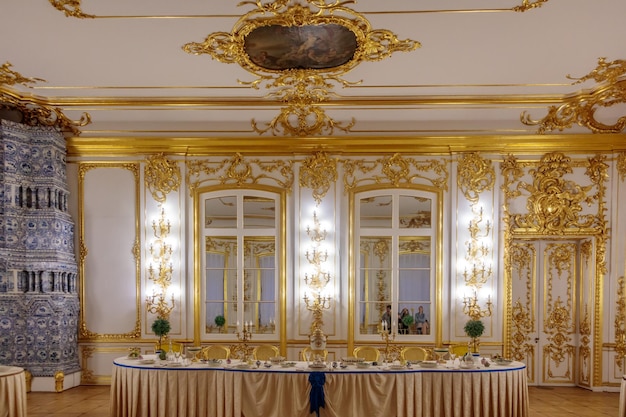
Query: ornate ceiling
200, 76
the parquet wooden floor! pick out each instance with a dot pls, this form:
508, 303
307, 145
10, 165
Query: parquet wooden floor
93, 401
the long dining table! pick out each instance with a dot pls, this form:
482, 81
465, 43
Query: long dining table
150, 388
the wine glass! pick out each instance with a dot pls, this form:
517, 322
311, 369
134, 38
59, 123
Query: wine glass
177, 355
452, 354
307, 357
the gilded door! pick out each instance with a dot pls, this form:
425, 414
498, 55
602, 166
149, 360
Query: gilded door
548, 277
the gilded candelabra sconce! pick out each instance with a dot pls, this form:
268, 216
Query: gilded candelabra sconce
161, 276
300, 52
315, 298
472, 308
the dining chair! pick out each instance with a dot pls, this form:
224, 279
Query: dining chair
215, 352
414, 353
265, 352
369, 353
323, 353
459, 350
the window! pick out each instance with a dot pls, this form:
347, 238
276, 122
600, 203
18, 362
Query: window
395, 262
240, 271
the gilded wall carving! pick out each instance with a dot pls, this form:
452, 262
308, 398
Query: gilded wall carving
238, 171
474, 175
318, 172
395, 170
162, 176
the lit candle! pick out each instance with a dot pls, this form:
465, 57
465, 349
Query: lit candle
384, 325
238, 328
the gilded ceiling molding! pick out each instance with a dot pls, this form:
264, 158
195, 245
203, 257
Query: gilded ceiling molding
31, 112
318, 173
300, 52
9, 77
396, 170
580, 108
162, 176
475, 175
71, 8
528, 5
238, 171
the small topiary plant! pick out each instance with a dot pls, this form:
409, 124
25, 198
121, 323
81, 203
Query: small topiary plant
474, 329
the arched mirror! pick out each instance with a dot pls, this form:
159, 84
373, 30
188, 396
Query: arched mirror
395, 251
240, 271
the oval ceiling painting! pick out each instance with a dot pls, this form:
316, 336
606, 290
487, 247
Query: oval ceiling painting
277, 47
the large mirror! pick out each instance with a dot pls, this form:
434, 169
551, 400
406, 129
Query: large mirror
395, 280
240, 272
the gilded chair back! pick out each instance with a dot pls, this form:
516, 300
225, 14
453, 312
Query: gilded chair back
459, 350
215, 352
323, 353
176, 346
369, 353
414, 353
265, 352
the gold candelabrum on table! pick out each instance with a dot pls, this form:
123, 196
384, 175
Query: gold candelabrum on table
244, 336
388, 336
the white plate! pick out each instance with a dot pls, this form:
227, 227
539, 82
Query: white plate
173, 364
397, 367
288, 364
242, 366
147, 361
427, 364
317, 365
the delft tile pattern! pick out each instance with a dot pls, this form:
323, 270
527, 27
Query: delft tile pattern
39, 305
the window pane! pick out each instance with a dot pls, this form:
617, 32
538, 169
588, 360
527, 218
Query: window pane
415, 212
220, 212
258, 212
376, 212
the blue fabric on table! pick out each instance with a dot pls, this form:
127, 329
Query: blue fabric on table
316, 397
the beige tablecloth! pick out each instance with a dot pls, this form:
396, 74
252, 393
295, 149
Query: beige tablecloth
12, 392
147, 391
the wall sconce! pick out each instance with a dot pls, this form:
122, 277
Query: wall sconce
472, 309
161, 276
315, 299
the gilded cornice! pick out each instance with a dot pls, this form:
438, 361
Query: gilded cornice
580, 108
33, 112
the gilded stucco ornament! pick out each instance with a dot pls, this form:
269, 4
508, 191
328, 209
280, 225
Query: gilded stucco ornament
621, 165
620, 323
300, 52
32, 112
554, 203
71, 8
580, 108
395, 170
238, 170
162, 176
318, 173
529, 4
475, 175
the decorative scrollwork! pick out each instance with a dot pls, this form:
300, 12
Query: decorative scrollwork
71, 8
396, 170
307, 69
475, 175
9, 77
580, 108
162, 177
318, 173
554, 204
34, 114
528, 5
239, 171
